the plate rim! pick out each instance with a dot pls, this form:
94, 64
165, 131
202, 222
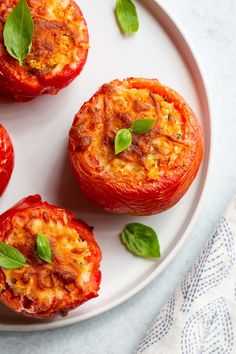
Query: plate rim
189, 47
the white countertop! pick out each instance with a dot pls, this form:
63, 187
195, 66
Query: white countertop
211, 27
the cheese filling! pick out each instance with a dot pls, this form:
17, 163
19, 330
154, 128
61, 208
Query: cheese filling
60, 35
43, 284
160, 152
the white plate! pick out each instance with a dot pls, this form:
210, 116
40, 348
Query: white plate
39, 131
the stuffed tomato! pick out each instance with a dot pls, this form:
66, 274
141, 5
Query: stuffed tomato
58, 53
158, 167
6, 159
43, 289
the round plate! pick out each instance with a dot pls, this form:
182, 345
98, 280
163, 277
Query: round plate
39, 130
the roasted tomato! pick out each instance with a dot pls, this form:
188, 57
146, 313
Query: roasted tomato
159, 166
58, 54
42, 289
6, 158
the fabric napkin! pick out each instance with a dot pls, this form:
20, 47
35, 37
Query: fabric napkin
200, 317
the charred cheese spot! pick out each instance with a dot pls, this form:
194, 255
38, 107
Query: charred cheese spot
60, 36
152, 155
47, 288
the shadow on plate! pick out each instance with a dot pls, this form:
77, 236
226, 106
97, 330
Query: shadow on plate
9, 317
70, 195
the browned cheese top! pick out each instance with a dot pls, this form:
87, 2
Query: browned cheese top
60, 35
165, 151
43, 285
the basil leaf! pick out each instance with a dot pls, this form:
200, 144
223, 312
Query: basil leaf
142, 126
18, 31
43, 248
127, 16
141, 240
123, 140
10, 257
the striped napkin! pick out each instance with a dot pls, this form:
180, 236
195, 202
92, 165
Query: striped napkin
200, 317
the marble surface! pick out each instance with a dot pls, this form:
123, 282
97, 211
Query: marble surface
211, 26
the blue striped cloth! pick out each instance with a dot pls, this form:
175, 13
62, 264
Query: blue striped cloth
200, 317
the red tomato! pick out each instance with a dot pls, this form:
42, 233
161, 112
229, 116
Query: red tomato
42, 289
59, 50
156, 170
6, 158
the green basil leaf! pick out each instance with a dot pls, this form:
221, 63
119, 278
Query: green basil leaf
123, 140
141, 240
127, 16
142, 126
18, 31
43, 248
10, 257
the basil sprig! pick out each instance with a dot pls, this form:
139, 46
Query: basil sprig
10, 257
142, 126
123, 138
43, 248
141, 240
18, 31
127, 17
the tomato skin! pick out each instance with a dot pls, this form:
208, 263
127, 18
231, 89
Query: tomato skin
150, 198
31, 204
23, 88
6, 159
21, 91
117, 200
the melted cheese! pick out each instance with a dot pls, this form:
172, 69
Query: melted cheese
152, 155
46, 284
60, 35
